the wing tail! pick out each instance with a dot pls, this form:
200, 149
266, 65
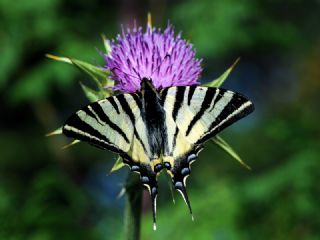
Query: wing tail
183, 191
149, 180
154, 195
180, 171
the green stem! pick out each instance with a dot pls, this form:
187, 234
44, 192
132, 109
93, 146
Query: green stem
132, 215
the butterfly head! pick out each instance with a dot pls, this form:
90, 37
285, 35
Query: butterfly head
147, 85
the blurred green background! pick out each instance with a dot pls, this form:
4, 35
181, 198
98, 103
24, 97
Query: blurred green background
48, 193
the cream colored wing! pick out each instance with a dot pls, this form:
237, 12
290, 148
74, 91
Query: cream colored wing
194, 115
104, 123
201, 112
116, 124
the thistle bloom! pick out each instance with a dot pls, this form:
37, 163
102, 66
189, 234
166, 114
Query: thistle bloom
164, 58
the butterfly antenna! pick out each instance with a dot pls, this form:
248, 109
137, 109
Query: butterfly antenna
182, 190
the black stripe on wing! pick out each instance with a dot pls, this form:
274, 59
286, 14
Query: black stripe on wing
190, 94
137, 99
218, 94
237, 108
175, 138
114, 104
126, 108
204, 106
178, 101
96, 107
78, 129
164, 93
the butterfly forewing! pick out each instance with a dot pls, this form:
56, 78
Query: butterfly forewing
112, 124
201, 112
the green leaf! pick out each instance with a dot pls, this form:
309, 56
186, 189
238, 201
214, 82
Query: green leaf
172, 191
55, 132
99, 75
106, 43
96, 73
228, 149
86, 66
91, 94
117, 165
121, 193
220, 80
71, 144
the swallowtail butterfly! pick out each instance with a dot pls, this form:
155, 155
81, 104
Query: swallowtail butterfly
158, 130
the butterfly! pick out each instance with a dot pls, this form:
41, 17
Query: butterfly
154, 130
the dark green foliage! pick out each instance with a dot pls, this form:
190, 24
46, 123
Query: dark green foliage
48, 193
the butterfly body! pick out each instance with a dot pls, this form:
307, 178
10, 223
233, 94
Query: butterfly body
158, 130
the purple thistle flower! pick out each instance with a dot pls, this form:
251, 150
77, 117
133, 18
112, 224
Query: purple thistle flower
164, 58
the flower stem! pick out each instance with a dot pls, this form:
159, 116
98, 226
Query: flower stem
132, 214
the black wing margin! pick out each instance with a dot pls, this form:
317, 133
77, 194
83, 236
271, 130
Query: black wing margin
104, 124
201, 112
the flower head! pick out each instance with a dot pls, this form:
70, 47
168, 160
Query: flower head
164, 58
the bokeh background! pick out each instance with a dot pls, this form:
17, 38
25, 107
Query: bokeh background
49, 193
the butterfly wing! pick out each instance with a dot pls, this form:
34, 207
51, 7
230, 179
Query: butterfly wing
194, 114
104, 124
117, 124
201, 112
